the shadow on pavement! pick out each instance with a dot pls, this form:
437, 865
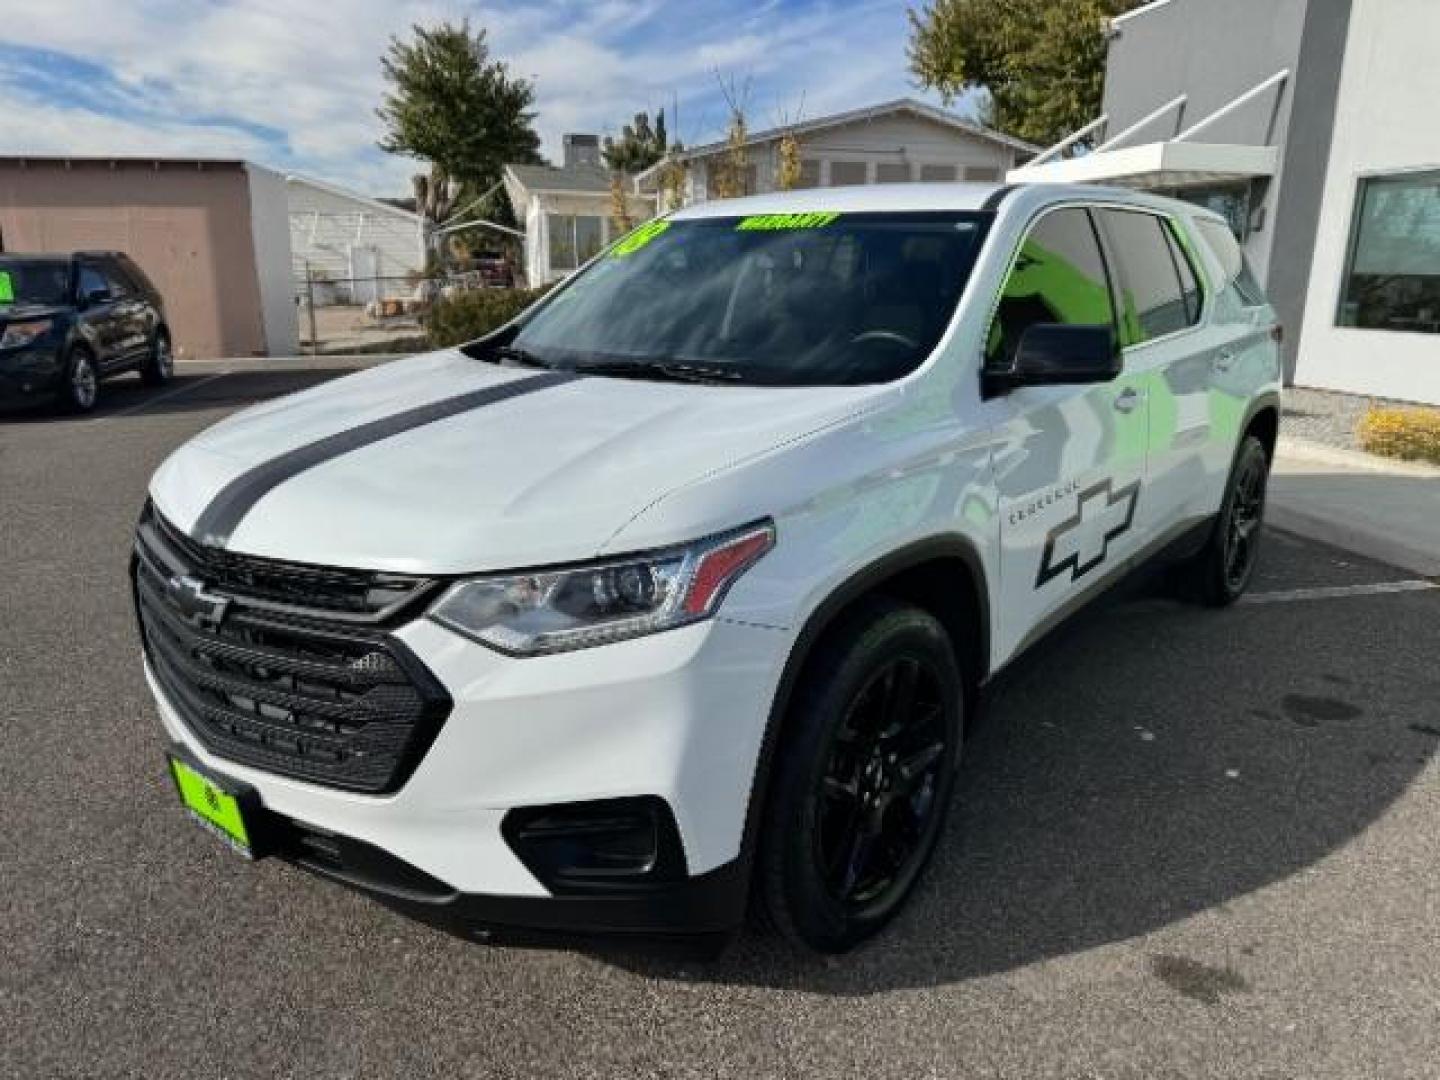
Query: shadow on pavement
1143, 764
185, 393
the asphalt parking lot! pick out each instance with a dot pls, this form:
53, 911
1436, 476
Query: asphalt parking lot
1188, 843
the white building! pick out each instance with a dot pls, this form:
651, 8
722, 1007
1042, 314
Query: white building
360, 249
895, 142
567, 212
1308, 123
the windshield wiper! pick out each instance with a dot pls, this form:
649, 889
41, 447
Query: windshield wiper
516, 355
672, 371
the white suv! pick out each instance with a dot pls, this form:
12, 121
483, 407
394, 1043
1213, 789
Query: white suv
677, 591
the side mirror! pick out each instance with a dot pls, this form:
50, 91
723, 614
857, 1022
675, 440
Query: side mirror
95, 296
1053, 354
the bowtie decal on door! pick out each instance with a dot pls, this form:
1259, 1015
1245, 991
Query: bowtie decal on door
1081, 543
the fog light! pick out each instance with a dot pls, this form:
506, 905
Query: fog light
601, 846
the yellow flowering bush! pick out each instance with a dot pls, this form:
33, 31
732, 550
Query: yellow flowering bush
1412, 434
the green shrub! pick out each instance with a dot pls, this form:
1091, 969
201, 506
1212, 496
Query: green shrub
474, 313
1412, 434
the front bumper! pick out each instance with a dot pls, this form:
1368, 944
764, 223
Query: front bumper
29, 376
678, 715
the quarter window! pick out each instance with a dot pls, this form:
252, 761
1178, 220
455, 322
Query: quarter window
1152, 298
1232, 261
1058, 277
1392, 280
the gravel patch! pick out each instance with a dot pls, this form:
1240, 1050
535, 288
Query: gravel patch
1328, 416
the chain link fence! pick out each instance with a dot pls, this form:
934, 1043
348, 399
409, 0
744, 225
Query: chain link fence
350, 315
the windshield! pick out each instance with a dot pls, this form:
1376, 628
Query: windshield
777, 299
36, 281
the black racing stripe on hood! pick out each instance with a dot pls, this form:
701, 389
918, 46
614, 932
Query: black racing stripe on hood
218, 521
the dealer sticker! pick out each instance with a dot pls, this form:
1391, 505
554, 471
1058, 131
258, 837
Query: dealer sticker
779, 222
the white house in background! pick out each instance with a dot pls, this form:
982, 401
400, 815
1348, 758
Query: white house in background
897, 142
566, 212
366, 248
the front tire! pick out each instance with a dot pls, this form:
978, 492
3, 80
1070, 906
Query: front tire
863, 779
1224, 567
80, 389
160, 364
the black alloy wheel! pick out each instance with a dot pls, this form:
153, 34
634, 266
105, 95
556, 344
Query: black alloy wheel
863, 776
877, 794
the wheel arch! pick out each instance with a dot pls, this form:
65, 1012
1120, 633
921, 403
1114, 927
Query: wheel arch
912, 573
1262, 419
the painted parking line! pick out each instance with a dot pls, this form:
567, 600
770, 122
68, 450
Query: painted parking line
148, 403
1333, 592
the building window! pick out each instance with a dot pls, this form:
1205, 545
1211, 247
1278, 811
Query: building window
1230, 201
809, 173
982, 174
1392, 275
573, 240
844, 173
937, 174
892, 172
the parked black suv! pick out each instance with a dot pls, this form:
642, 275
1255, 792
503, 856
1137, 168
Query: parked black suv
67, 321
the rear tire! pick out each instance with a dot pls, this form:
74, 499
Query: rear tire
1223, 569
80, 389
863, 778
160, 364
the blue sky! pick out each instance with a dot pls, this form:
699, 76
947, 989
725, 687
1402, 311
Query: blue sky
294, 84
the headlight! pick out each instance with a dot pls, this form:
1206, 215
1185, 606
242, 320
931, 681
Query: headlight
23, 333
549, 611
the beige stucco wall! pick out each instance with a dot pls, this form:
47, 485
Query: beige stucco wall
187, 225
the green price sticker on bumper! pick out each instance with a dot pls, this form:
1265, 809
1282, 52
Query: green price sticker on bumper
781, 222
7, 288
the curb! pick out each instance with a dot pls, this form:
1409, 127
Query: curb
1360, 540
1322, 454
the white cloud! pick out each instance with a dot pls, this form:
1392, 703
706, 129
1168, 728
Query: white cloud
223, 77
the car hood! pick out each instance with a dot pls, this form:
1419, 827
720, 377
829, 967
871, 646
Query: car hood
534, 472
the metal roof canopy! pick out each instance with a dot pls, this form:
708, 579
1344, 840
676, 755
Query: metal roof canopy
1157, 165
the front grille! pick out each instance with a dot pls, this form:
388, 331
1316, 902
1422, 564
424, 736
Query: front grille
287, 667
361, 595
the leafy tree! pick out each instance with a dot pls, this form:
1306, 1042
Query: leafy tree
641, 144
1040, 62
450, 105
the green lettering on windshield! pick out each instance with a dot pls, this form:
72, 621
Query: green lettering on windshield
7, 288
774, 222
636, 239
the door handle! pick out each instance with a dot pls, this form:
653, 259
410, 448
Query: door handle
1224, 360
1127, 400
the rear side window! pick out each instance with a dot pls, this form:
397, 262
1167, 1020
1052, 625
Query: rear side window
1153, 300
1222, 242
1189, 283
1058, 277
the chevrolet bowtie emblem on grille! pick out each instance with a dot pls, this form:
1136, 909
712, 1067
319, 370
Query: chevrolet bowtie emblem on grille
189, 597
